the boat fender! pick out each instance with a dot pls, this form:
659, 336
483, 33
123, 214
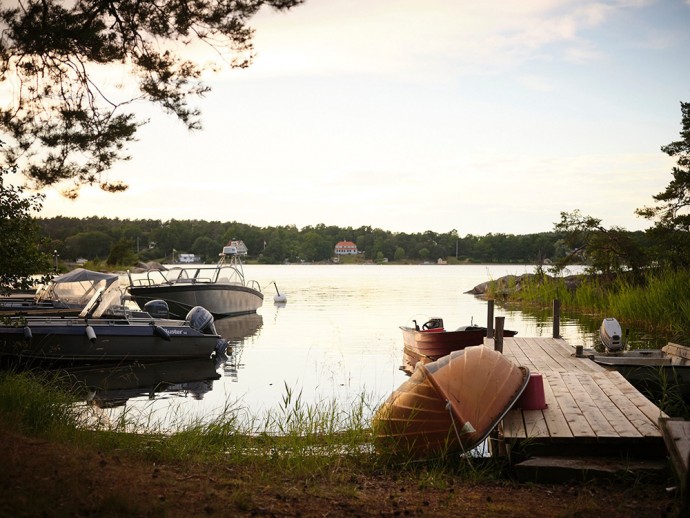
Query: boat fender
161, 332
91, 334
28, 335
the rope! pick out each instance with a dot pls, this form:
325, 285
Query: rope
457, 435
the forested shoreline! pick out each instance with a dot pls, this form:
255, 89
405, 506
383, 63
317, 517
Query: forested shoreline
123, 241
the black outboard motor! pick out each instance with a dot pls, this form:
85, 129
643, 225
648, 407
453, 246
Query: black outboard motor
157, 308
200, 318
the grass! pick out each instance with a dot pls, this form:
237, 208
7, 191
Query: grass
659, 302
297, 440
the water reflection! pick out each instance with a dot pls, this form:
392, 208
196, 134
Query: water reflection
112, 385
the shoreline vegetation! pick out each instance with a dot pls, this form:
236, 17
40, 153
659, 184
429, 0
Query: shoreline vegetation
322, 459
61, 457
657, 301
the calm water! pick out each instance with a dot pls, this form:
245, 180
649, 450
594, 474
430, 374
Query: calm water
336, 339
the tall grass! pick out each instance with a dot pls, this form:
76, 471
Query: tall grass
658, 302
297, 440
33, 406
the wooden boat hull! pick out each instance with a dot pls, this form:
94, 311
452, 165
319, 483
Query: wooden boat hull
112, 340
449, 405
221, 300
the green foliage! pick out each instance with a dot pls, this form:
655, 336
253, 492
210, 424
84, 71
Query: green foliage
122, 253
94, 237
20, 255
34, 404
604, 250
658, 301
64, 123
671, 231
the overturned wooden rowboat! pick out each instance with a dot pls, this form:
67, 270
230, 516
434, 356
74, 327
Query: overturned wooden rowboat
449, 405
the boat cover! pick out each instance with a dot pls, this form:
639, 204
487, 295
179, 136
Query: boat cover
75, 287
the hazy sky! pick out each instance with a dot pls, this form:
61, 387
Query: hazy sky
414, 115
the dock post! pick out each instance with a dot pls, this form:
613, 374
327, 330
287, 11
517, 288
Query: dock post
556, 318
498, 339
490, 319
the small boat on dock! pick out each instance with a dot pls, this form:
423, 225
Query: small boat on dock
221, 289
432, 341
449, 405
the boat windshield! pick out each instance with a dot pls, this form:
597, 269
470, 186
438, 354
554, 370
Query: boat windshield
75, 287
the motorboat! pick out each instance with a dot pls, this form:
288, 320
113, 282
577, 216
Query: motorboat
65, 294
656, 372
222, 289
431, 341
611, 334
106, 330
449, 405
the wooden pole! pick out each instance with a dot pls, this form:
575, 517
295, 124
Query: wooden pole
490, 319
498, 339
556, 318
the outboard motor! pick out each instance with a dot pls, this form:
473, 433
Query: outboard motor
157, 308
201, 320
611, 335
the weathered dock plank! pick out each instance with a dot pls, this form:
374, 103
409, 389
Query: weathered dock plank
586, 404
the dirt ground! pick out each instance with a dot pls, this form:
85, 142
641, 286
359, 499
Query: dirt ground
39, 478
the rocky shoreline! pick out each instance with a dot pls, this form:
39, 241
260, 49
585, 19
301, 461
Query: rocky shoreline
508, 285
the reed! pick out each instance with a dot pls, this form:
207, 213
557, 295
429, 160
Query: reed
659, 302
34, 406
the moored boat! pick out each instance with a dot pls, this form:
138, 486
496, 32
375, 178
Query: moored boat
106, 331
65, 294
656, 373
221, 289
432, 341
449, 405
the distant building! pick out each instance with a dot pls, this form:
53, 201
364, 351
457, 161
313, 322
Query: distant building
188, 258
345, 248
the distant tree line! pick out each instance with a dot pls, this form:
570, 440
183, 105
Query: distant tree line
119, 241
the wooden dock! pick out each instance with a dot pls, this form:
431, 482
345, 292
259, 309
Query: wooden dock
591, 411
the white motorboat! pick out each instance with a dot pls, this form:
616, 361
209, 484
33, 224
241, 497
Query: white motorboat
221, 289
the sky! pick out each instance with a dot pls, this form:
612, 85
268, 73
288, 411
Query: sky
416, 115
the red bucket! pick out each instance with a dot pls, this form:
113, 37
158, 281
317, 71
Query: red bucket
533, 396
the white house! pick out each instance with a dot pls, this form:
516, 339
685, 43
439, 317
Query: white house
345, 248
188, 258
